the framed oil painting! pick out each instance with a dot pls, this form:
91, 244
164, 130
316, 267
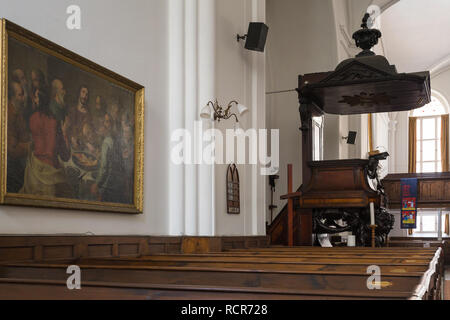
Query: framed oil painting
72, 132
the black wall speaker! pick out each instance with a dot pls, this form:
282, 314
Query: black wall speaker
351, 137
256, 36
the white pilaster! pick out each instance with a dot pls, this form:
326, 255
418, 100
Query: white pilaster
392, 142
191, 113
191, 85
258, 103
206, 91
176, 113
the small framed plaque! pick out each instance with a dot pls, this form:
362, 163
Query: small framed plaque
233, 194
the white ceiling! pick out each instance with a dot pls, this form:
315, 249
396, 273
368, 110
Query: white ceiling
416, 34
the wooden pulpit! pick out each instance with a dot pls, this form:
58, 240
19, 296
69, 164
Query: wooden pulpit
365, 84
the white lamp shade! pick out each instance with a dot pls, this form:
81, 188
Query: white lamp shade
242, 109
206, 112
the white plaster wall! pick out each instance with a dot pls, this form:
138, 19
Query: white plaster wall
185, 53
381, 138
397, 231
441, 83
302, 40
240, 76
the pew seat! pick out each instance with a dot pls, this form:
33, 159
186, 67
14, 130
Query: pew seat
262, 273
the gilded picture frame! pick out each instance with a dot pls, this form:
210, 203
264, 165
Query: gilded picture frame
119, 120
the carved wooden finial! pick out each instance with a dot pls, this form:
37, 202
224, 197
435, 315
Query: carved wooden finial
364, 21
366, 38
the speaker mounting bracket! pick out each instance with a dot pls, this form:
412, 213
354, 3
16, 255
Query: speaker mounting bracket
239, 37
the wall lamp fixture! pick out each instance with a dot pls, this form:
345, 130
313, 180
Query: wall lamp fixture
215, 111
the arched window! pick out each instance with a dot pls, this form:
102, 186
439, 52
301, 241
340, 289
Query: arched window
428, 135
429, 123
434, 108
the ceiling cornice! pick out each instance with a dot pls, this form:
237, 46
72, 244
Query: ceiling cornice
440, 67
384, 4
347, 42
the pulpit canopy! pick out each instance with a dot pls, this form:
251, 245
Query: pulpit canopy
367, 83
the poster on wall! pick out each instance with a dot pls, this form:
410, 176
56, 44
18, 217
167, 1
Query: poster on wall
409, 203
71, 131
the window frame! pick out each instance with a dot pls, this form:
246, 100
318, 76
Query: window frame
420, 216
317, 144
429, 213
437, 140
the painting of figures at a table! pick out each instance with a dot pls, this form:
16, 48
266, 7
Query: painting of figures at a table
70, 132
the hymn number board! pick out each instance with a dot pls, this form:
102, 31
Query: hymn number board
233, 198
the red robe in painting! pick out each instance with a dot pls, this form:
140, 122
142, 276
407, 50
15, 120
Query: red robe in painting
48, 140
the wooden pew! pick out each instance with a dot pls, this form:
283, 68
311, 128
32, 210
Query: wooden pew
268, 280
409, 242
329, 267
268, 277
270, 259
337, 251
20, 289
312, 255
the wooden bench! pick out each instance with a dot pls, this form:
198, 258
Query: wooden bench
237, 263
297, 273
19, 289
414, 242
271, 259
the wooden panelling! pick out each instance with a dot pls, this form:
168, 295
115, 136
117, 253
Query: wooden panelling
36, 248
447, 189
128, 249
201, 245
433, 189
157, 248
58, 252
164, 245
244, 242
100, 250
17, 253
394, 191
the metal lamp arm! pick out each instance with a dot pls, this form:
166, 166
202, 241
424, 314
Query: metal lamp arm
222, 113
212, 105
230, 105
231, 115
